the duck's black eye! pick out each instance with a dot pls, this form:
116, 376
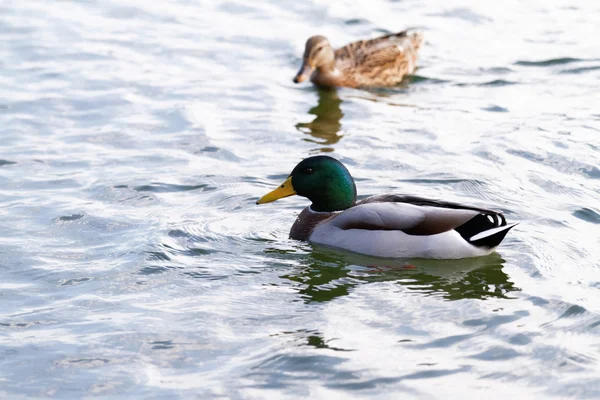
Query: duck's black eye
308, 171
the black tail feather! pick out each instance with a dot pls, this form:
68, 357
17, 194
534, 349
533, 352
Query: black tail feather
481, 223
492, 240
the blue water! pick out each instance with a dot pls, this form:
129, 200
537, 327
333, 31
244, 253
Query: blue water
136, 136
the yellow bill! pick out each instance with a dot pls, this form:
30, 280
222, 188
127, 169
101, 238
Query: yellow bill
284, 190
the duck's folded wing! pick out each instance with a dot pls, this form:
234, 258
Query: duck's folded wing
409, 218
423, 201
352, 50
379, 60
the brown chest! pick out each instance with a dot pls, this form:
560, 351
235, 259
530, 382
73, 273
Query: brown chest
306, 222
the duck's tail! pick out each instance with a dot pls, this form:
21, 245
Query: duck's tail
416, 39
485, 230
492, 237
415, 35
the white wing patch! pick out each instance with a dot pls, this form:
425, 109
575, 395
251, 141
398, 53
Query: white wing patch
491, 232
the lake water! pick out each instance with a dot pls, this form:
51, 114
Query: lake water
136, 136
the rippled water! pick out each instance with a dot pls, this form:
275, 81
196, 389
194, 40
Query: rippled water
135, 138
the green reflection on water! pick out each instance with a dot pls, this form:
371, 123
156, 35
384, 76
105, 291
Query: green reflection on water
325, 274
326, 126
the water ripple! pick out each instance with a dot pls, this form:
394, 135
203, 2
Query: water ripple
135, 263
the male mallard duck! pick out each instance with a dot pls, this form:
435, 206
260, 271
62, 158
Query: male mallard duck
389, 225
382, 61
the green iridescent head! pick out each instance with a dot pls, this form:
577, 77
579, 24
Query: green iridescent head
323, 180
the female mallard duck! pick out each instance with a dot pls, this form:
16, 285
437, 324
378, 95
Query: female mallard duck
382, 61
389, 225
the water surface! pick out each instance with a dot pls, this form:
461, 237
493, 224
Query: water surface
136, 138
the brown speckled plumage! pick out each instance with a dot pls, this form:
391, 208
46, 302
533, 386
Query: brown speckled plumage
378, 62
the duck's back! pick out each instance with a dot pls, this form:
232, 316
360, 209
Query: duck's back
382, 61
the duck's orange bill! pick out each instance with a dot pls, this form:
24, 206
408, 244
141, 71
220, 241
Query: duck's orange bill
284, 190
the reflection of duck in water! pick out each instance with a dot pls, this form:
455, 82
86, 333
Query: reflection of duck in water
326, 125
388, 225
378, 62
330, 274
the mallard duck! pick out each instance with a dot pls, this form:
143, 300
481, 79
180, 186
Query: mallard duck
387, 225
378, 62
